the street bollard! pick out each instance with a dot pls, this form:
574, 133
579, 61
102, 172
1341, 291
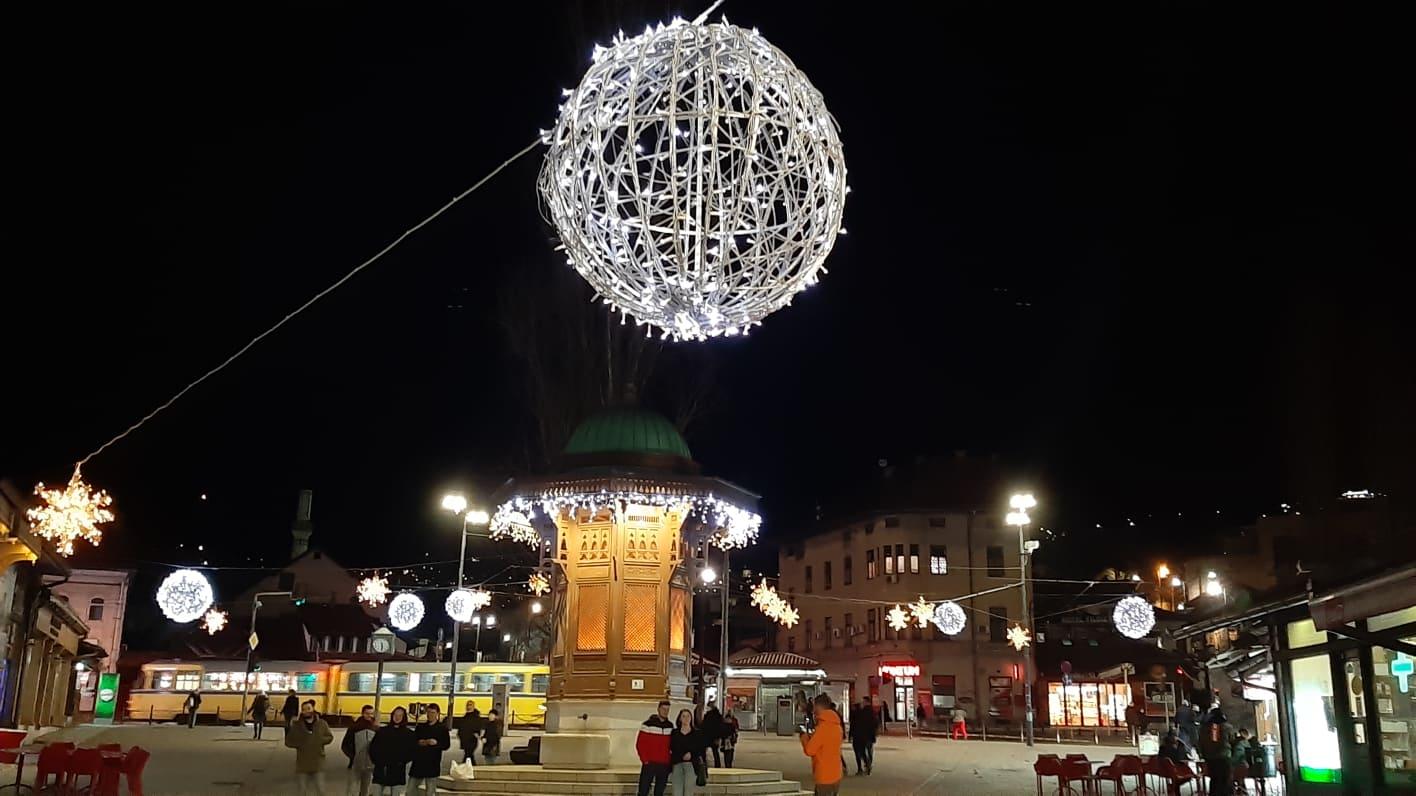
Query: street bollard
149, 714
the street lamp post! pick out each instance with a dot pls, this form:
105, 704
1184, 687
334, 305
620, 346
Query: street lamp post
1019, 517
457, 504
723, 641
251, 645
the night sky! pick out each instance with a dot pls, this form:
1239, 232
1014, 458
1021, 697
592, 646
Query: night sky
1148, 256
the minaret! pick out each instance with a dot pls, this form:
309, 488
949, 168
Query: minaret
302, 529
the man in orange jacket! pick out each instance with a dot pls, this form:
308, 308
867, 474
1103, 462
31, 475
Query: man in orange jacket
823, 746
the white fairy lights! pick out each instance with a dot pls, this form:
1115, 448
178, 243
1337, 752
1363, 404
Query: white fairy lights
405, 611
1133, 617
950, 618
214, 621
733, 526
771, 603
538, 584
1019, 637
922, 612
898, 618
184, 596
71, 513
461, 604
695, 178
373, 591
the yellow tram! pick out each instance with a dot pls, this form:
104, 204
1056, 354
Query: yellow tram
338, 689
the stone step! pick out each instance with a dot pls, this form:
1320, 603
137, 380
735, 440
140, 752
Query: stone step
501, 787
528, 774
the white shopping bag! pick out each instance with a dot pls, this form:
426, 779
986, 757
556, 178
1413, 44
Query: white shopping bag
462, 772
1150, 744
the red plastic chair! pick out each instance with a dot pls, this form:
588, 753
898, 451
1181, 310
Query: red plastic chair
1123, 766
82, 763
1077, 771
53, 760
1047, 766
110, 747
11, 739
133, 766
1176, 778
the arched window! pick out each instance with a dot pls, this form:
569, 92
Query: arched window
96, 608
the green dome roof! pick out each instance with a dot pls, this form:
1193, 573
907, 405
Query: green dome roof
636, 431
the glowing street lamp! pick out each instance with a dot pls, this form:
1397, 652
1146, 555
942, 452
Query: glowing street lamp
1020, 503
536, 607
708, 575
456, 503
1162, 572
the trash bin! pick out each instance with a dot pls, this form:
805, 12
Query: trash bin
1268, 759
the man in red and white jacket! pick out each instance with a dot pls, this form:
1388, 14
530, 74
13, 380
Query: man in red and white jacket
653, 748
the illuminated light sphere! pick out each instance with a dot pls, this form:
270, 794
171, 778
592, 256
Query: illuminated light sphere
74, 512
1019, 637
405, 611
1133, 617
373, 591
538, 584
950, 618
695, 178
459, 605
898, 618
184, 596
214, 621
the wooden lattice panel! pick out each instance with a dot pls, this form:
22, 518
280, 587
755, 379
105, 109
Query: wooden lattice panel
677, 620
593, 618
640, 617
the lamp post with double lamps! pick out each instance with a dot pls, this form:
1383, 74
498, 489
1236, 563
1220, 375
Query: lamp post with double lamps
1020, 504
457, 504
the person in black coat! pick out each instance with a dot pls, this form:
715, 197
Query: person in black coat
686, 745
431, 739
469, 729
392, 750
291, 709
863, 736
712, 728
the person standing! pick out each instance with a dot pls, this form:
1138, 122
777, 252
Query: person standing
920, 715
730, 737
390, 752
1186, 724
863, 736
652, 744
469, 727
291, 708
712, 726
355, 746
193, 701
961, 723
686, 749
308, 735
1216, 751
259, 707
491, 737
823, 746
431, 738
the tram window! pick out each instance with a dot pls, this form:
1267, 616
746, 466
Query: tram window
188, 681
540, 683
362, 682
480, 682
516, 682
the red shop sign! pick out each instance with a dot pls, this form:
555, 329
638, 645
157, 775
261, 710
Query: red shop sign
899, 668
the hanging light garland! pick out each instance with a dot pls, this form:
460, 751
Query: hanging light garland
1019, 637
695, 178
74, 512
950, 618
405, 611
734, 526
214, 621
771, 603
1133, 617
898, 618
184, 596
538, 584
373, 591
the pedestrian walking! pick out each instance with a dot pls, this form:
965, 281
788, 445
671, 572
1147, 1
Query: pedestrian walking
686, 749
193, 701
712, 726
652, 744
730, 737
469, 729
884, 719
920, 715
863, 736
961, 724
1216, 750
390, 751
260, 706
1187, 725
356, 747
491, 737
291, 708
823, 746
308, 735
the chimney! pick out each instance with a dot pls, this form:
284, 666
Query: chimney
302, 529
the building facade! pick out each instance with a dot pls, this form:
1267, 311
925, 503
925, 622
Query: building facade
100, 598
844, 581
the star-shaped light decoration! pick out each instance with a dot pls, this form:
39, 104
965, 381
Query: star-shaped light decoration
1019, 637
373, 591
771, 603
214, 621
74, 512
538, 584
480, 598
898, 618
922, 611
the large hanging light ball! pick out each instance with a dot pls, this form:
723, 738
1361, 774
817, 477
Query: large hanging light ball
184, 596
405, 611
1133, 617
695, 178
949, 618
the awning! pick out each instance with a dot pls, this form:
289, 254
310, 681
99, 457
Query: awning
1392, 591
1228, 620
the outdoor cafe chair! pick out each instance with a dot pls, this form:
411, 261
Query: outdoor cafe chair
1123, 766
82, 763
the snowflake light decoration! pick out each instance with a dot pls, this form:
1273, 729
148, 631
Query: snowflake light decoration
1019, 637
695, 178
538, 584
74, 512
735, 526
373, 591
773, 606
184, 596
898, 618
405, 611
214, 621
922, 612
1133, 617
950, 618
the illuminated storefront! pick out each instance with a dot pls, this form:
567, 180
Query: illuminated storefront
1087, 704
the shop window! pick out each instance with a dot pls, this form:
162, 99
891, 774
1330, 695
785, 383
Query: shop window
872, 630
870, 564
914, 559
998, 624
1405, 616
995, 561
826, 576
943, 694
96, 609
1305, 634
807, 588
1315, 730
846, 572
1087, 704
1394, 687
